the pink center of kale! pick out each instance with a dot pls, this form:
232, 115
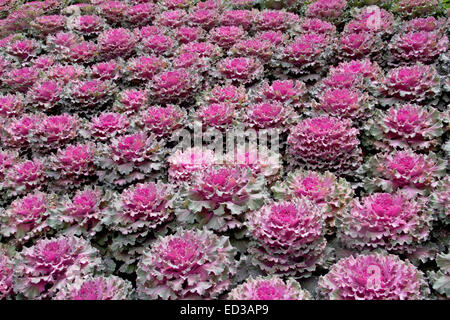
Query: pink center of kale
386, 205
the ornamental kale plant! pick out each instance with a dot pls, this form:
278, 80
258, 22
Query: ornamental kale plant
224, 149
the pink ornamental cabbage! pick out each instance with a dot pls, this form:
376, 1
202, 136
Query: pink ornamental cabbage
360, 45
72, 166
192, 61
84, 213
131, 101
25, 176
201, 260
11, 105
20, 79
143, 68
257, 48
44, 62
440, 199
141, 209
226, 94
95, 288
339, 80
107, 125
270, 115
412, 172
148, 202
315, 25
26, 218
16, 132
274, 37
322, 40
374, 276
143, 32
5, 41
7, 160
330, 10
269, 288
52, 132
171, 18
323, 189
186, 35
428, 24
367, 69
184, 163
260, 161
18, 20
129, 158
371, 19
415, 8
240, 70
48, 5
61, 42
205, 18
44, 267
174, 86
393, 222
202, 49
345, 103
113, 11
162, 121
110, 70
325, 143
220, 196
405, 126
275, 20
304, 53
45, 95
82, 52
45, 25
85, 95
115, 43
6, 274
158, 44
226, 36
238, 18
219, 116
148, 31
417, 83
65, 73
287, 237
422, 46
290, 92
141, 14
23, 49
207, 4
87, 25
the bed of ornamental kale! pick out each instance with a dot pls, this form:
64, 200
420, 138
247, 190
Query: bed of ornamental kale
224, 149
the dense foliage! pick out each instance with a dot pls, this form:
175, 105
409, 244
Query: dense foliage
120, 176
